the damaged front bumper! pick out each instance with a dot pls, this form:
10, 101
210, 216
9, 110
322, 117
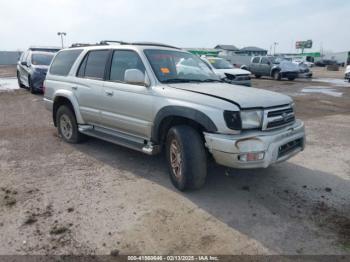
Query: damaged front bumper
262, 148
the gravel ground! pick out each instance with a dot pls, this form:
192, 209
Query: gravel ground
96, 197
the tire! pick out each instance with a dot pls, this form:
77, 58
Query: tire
276, 75
257, 76
67, 125
19, 81
30, 86
291, 78
185, 143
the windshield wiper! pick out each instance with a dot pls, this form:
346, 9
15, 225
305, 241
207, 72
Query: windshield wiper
176, 80
211, 80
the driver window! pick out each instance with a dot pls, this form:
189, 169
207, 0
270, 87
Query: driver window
123, 60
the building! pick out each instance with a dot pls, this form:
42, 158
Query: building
252, 51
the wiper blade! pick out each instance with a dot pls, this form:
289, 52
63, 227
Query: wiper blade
176, 80
212, 80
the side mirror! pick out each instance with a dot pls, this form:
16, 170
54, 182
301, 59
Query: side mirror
268, 62
24, 63
136, 77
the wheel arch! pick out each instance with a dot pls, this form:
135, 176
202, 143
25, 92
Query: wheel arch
64, 99
170, 116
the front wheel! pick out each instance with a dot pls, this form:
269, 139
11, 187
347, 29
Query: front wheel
276, 75
19, 81
67, 125
257, 76
291, 78
187, 159
30, 86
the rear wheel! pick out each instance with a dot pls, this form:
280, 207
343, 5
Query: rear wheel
257, 76
276, 75
291, 78
67, 125
187, 159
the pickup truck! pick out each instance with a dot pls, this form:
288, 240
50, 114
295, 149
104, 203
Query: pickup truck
145, 96
271, 66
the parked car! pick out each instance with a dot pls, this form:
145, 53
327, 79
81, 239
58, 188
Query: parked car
227, 71
275, 67
31, 69
347, 73
325, 62
304, 69
133, 95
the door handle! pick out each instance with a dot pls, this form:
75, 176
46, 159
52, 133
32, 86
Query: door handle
109, 93
74, 87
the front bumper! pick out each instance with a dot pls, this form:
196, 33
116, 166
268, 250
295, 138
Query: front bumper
38, 81
241, 82
289, 74
305, 75
227, 149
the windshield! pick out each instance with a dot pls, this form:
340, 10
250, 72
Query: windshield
176, 66
220, 63
42, 59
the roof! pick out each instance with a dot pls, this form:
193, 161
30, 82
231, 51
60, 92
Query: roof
252, 49
227, 47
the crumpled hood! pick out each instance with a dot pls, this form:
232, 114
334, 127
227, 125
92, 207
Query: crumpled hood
244, 97
287, 66
233, 71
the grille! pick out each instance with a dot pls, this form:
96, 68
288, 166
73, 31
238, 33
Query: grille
289, 147
278, 117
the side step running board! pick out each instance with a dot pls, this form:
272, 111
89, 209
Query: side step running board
119, 139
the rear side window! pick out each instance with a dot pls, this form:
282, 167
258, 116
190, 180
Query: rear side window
256, 60
64, 61
264, 60
94, 64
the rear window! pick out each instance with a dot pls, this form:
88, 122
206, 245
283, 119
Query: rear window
42, 59
256, 60
64, 61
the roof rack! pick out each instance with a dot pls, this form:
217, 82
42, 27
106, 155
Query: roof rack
82, 45
106, 42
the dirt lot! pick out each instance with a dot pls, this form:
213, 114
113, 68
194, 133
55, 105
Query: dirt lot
96, 197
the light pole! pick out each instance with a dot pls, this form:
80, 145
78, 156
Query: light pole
274, 48
62, 34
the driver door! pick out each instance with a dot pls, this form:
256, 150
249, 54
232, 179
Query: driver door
126, 107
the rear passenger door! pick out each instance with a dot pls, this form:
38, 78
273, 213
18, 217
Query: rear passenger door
126, 107
265, 66
254, 67
89, 85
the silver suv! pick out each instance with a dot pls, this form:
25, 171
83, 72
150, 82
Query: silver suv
153, 97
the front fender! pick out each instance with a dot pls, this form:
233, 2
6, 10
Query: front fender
181, 111
71, 97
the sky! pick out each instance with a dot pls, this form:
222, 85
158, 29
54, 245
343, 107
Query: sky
183, 23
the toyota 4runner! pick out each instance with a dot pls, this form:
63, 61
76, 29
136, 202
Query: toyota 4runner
139, 95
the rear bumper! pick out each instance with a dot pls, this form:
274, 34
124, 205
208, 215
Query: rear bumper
276, 146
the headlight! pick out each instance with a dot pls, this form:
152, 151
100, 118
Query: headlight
244, 119
233, 120
251, 119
